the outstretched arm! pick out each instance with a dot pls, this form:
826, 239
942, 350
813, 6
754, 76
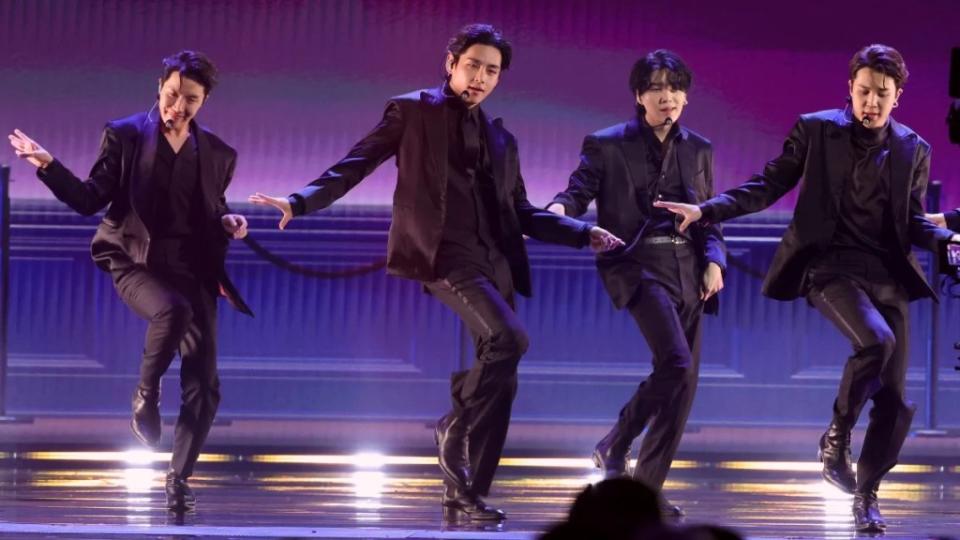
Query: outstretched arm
548, 226
365, 156
86, 197
584, 183
779, 176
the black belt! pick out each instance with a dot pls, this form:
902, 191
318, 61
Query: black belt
672, 239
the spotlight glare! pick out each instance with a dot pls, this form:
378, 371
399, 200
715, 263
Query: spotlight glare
368, 460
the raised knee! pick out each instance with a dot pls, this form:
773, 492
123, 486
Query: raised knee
514, 341
883, 343
177, 313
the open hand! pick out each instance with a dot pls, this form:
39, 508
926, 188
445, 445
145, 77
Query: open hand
689, 212
280, 203
28, 149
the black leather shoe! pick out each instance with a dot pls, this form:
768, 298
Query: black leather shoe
834, 453
451, 438
668, 509
866, 512
180, 497
457, 503
146, 421
611, 453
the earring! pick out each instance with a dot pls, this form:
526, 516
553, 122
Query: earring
896, 104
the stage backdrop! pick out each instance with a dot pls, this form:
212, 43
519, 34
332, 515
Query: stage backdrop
301, 81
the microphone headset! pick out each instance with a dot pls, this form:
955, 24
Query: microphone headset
666, 123
167, 123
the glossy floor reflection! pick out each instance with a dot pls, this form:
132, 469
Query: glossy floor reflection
246, 495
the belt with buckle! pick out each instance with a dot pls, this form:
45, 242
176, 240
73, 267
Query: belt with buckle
672, 239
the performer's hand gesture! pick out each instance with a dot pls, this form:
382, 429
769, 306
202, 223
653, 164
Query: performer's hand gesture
602, 240
690, 212
558, 209
712, 281
235, 225
938, 219
280, 203
28, 149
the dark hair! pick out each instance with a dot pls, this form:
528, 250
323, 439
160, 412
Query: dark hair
678, 74
615, 508
192, 65
483, 34
883, 59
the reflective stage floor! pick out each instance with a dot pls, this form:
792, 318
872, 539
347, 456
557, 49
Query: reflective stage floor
250, 494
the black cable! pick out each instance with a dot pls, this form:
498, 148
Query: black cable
295, 268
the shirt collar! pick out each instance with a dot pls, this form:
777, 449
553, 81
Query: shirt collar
647, 131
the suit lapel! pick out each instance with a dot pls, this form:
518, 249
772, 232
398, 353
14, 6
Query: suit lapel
902, 149
838, 156
635, 154
434, 116
497, 148
687, 161
208, 182
139, 183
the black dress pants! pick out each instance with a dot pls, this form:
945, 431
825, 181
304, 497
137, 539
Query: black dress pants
482, 397
181, 315
864, 301
667, 309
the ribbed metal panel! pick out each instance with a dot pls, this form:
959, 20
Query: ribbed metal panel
376, 346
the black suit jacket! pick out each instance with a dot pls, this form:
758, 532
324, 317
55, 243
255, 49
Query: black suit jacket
613, 170
118, 177
818, 149
414, 129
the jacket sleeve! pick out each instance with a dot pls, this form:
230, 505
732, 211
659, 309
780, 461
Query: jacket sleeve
779, 176
87, 197
365, 156
923, 233
585, 181
546, 226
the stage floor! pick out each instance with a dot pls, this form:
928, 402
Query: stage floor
251, 494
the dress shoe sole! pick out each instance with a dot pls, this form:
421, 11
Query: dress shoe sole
457, 513
607, 473
831, 480
672, 513
139, 436
184, 508
597, 462
871, 527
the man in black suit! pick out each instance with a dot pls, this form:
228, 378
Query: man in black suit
664, 277
164, 240
460, 211
848, 251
